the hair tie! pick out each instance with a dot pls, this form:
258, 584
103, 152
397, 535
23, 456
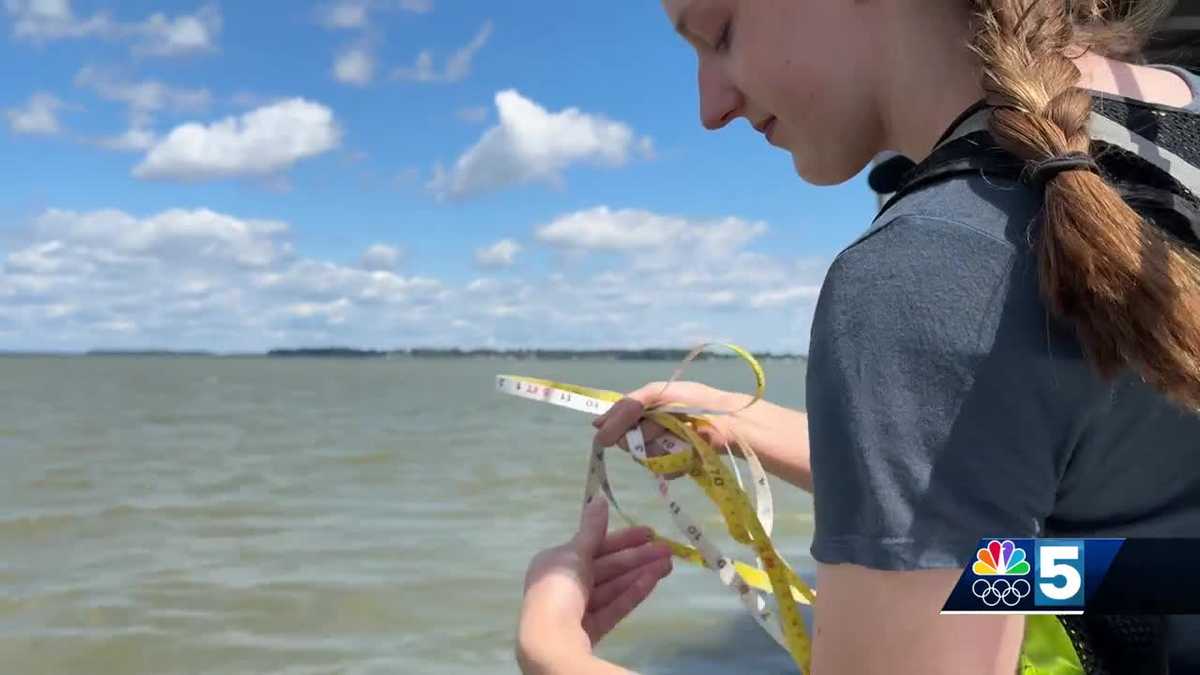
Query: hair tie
1040, 173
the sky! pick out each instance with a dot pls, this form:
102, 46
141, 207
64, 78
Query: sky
389, 174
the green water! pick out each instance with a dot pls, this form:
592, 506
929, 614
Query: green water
197, 515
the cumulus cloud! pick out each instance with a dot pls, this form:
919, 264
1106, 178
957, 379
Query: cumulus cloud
137, 138
531, 144
500, 254
258, 143
176, 235
355, 66
456, 68
352, 14
654, 240
141, 96
42, 20
163, 35
381, 257
144, 100
39, 115
784, 296
189, 278
158, 34
601, 229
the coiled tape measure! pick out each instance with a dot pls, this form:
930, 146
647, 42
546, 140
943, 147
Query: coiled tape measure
688, 452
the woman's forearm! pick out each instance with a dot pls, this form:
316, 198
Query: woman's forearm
547, 652
583, 664
778, 435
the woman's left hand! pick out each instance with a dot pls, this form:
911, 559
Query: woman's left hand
577, 592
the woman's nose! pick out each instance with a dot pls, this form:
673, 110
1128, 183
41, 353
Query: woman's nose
720, 100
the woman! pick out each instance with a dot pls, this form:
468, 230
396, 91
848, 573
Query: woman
994, 357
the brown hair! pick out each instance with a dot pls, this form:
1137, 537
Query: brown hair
1130, 289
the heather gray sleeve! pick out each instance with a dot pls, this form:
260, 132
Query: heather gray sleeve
932, 419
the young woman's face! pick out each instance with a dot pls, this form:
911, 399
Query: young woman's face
800, 71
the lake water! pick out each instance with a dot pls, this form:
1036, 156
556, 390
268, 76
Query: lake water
197, 515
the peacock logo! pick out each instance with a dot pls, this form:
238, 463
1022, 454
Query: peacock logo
1000, 558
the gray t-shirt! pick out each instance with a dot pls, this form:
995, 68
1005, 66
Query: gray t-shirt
945, 404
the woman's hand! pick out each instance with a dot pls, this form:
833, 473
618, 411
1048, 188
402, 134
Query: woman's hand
612, 426
577, 592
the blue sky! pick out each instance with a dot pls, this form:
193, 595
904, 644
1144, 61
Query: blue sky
389, 173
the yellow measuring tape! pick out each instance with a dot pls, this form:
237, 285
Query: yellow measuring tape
688, 452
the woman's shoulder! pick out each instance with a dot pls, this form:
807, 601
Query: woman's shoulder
957, 213
949, 269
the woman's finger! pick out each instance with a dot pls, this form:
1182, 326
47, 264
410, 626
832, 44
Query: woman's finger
615, 564
619, 419
627, 538
599, 623
593, 526
603, 594
651, 430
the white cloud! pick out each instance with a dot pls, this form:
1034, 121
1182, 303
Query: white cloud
258, 143
602, 229
185, 34
457, 67
192, 277
500, 254
144, 99
134, 139
356, 13
785, 296
157, 34
42, 20
146, 96
346, 14
381, 257
688, 251
189, 278
39, 115
177, 235
531, 144
354, 66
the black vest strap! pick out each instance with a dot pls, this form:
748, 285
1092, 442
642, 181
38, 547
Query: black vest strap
967, 148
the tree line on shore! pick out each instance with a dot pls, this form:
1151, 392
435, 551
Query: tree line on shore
452, 353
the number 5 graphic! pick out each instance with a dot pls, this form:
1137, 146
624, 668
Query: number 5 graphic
1060, 573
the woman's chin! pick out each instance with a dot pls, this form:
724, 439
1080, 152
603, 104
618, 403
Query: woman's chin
815, 172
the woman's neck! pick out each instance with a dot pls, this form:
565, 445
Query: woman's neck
928, 77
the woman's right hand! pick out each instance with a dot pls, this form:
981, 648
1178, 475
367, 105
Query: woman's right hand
612, 426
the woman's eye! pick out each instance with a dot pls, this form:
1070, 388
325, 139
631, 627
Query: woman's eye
722, 42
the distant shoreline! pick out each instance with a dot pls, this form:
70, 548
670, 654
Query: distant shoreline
419, 353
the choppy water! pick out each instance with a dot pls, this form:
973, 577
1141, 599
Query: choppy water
232, 516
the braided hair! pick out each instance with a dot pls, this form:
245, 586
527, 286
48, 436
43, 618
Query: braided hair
1131, 290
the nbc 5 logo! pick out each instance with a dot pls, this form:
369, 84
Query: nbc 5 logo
1059, 564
